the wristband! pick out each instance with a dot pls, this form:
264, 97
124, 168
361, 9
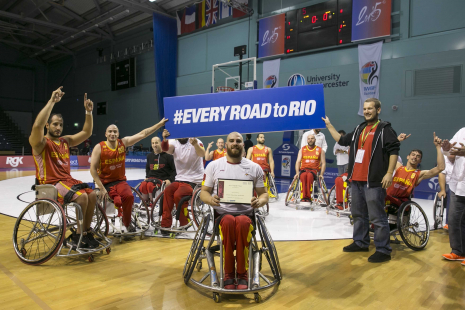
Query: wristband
88, 112
165, 146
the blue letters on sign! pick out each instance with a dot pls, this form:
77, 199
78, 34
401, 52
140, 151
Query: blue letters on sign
250, 111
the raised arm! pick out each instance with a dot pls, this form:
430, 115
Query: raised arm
249, 153
37, 139
86, 131
94, 165
128, 141
208, 154
441, 164
165, 146
336, 135
271, 161
199, 150
298, 163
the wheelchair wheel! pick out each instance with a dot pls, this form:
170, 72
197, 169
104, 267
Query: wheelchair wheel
179, 210
271, 254
413, 225
438, 211
264, 211
199, 210
196, 248
157, 210
291, 191
273, 188
324, 191
39, 231
332, 197
99, 223
140, 216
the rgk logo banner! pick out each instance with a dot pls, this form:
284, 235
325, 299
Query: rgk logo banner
16, 162
251, 111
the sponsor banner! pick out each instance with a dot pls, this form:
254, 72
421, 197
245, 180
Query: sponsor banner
371, 19
369, 62
136, 161
296, 79
285, 165
83, 161
271, 35
271, 73
252, 111
17, 162
73, 161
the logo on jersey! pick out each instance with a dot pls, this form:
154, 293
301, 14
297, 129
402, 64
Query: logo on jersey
317, 153
121, 150
270, 81
296, 80
413, 176
369, 72
14, 161
112, 167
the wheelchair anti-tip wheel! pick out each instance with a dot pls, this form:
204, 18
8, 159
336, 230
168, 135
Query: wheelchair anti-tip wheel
413, 225
269, 249
438, 211
196, 247
39, 231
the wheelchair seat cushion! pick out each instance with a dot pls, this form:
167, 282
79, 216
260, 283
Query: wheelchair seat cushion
65, 187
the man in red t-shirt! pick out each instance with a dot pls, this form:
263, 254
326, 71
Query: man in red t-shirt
216, 154
310, 161
109, 172
373, 155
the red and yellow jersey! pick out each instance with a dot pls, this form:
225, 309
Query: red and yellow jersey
53, 164
260, 156
112, 163
403, 182
311, 158
218, 155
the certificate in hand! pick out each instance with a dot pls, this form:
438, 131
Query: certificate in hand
235, 191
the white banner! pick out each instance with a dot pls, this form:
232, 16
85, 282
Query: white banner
286, 166
369, 64
271, 73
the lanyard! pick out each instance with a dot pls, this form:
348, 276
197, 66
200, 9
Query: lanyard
364, 138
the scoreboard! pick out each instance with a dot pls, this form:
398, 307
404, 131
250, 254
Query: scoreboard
317, 26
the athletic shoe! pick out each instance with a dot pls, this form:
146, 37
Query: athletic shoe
165, 233
340, 207
89, 244
229, 281
242, 281
354, 248
92, 242
73, 239
379, 257
446, 227
131, 228
453, 256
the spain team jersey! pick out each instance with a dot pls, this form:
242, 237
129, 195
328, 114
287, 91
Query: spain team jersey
260, 156
53, 164
218, 155
403, 182
112, 163
311, 158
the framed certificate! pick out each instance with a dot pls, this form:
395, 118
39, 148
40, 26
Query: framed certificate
235, 191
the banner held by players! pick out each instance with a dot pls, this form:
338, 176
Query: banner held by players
251, 111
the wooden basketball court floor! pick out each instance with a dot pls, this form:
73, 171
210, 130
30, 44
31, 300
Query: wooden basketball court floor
147, 274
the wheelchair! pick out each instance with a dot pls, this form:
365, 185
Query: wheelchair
438, 211
410, 222
198, 252
347, 202
159, 188
40, 231
271, 188
319, 197
196, 210
140, 216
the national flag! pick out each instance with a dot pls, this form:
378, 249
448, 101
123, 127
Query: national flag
189, 19
225, 10
239, 13
201, 14
211, 12
179, 19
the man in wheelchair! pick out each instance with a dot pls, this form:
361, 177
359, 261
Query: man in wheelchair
234, 219
108, 169
51, 157
406, 178
159, 169
310, 161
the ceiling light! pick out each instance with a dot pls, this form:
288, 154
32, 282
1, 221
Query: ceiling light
152, 0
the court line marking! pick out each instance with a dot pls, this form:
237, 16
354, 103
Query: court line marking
25, 289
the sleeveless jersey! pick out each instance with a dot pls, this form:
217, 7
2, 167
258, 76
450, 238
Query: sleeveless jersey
112, 163
53, 164
403, 182
218, 155
260, 156
311, 158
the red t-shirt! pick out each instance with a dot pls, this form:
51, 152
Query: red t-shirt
403, 182
218, 155
311, 158
260, 156
360, 171
112, 163
53, 164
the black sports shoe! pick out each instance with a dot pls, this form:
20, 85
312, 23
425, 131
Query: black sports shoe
165, 233
354, 248
379, 257
88, 243
131, 228
90, 237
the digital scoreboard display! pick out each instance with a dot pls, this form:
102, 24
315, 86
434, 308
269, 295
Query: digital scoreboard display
317, 26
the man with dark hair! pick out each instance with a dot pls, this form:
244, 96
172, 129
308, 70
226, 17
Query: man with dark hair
248, 143
262, 154
373, 155
51, 157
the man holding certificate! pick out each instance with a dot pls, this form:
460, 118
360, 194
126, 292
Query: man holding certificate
232, 180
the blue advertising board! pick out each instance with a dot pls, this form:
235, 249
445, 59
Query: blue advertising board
250, 111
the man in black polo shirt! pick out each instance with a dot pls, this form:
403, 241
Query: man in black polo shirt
374, 148
158, 169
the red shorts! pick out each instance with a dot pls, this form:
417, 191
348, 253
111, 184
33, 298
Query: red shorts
64, 186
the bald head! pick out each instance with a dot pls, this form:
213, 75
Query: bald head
156, 145
220, 144
112, 133
233, 135
311, 140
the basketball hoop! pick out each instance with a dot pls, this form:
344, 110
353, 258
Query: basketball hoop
224, 89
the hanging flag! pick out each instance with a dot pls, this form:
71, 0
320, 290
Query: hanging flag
189, 19
211, 12
271, 73
225, 10
179, 20
239, 13
201, 14
369, 62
